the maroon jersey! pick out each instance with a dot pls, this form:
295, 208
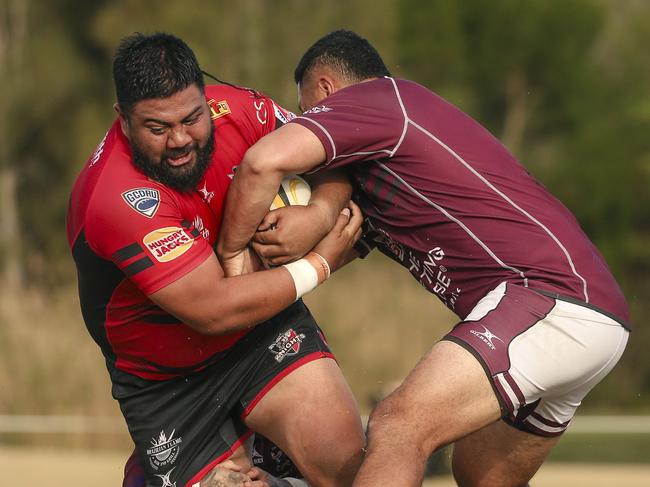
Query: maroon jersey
131, 236
450, 203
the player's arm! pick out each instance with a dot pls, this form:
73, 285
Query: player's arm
291, 149
214, 304
288, 233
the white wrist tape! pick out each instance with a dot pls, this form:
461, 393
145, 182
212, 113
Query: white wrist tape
296, 482
304, 275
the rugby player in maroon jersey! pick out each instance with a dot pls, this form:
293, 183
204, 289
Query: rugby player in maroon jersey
198, 360
542, 318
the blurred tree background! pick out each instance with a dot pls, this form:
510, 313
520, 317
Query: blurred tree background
564, 84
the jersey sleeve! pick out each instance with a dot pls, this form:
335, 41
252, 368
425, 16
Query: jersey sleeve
144, 234
356, 125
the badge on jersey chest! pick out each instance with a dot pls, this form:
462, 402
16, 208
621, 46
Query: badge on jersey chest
218, 108
143, 200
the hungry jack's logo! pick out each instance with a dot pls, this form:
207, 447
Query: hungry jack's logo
167, 243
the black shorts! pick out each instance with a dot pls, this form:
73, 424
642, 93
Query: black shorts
184, 426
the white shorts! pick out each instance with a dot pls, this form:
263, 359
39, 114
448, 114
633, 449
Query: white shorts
542, 354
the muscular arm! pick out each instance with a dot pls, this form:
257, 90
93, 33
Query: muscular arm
289, 150
212, 304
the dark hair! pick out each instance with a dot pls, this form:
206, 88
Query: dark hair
345, 51
153, 66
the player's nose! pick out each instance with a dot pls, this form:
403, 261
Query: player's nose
178, 137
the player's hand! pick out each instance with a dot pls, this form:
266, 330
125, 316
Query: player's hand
234, 264
252, 261
244, 262
288, 233
226, 474
336, 245
260, 478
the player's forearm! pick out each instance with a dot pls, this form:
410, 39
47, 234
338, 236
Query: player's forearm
212, 304
292, 149
245, 301
331, 191
249, 197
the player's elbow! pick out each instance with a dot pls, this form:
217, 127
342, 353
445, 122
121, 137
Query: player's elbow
260, 162
225, 324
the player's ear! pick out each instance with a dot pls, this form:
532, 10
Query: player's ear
124, 123
326, 85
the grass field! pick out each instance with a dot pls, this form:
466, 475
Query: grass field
33, 467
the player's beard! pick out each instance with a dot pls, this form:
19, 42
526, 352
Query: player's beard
184, 178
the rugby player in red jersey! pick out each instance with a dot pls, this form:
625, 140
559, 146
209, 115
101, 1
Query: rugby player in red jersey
543, 320
198, 360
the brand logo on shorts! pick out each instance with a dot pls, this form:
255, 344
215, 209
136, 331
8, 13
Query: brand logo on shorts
166, 482
256, 456
143, 200
486, 337
164, 451
287, 343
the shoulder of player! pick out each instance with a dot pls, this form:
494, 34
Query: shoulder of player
122, 209
123, 192
385, 86
229, 100
237, 104
370, 94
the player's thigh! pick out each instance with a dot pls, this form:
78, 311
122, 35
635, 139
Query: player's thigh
542, 354
500, 456
446, 396
312, 415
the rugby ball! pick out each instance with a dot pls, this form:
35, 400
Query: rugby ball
293, 190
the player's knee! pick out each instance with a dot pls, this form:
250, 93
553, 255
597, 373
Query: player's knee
395, 418
389, 416
337, 464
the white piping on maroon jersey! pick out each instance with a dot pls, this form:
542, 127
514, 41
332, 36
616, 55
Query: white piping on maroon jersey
329, 137
458, 222
493, 188
406, 118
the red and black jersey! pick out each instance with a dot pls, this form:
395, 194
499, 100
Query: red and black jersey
450, 203
131, 236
